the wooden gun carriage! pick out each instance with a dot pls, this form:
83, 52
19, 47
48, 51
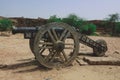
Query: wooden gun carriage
57, 44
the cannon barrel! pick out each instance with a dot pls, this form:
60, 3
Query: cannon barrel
29, 32
24, 30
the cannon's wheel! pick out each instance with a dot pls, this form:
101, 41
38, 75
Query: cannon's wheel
31, 44
56, 45
98, 52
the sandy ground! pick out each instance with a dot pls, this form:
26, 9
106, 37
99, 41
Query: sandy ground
15, 53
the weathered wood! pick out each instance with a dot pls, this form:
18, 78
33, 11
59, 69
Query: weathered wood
81, 62
102, 60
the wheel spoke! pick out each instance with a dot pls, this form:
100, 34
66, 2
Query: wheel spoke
55, 53
61, 57
66, 35
48, 56
54, 33
63, 34
65, 56
46, 43
51, 36
41, 51
45, 47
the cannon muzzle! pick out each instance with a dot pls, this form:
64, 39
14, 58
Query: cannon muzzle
24, 29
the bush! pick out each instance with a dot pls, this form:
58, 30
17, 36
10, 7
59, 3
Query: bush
73, 20
54, 19
88, 29
5, 24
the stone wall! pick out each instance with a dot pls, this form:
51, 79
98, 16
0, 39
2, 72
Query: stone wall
28, 22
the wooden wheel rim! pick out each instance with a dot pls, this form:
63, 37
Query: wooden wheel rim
44, 59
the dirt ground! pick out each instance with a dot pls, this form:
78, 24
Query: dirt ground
17, 63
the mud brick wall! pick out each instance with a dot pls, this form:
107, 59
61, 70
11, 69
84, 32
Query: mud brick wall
28, 22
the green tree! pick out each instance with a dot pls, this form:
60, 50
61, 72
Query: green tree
5, 24
88, 29
80, 24
54, 18
112, 19
74, 21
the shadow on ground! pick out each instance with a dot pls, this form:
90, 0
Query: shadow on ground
29, 65
86, 54
23, 66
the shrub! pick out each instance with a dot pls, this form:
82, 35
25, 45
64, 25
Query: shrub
54, 18
5, 24
88, 29
73, 20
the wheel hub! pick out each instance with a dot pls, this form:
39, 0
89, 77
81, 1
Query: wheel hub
59, 46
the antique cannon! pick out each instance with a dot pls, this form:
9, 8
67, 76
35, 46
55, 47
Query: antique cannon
57, 44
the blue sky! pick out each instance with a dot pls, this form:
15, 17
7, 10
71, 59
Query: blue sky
88, 9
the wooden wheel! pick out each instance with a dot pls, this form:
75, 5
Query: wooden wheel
56, 45
99, 52
31, 44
